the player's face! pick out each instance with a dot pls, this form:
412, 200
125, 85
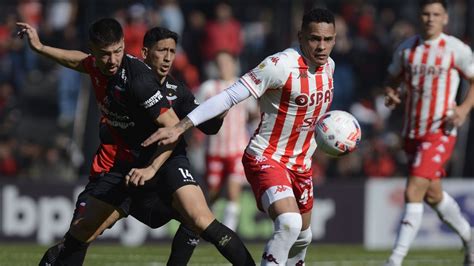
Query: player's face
316, 41
108, 58
433, 18
160, 56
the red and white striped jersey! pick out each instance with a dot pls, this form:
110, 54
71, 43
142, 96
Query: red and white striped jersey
233, 135
292, 96
431, 71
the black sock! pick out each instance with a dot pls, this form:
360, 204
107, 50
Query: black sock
50, 256
184, 242
228, 244
73, 252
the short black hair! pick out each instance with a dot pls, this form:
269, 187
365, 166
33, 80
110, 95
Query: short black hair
318, 15
444, 3
105, 31
157, 34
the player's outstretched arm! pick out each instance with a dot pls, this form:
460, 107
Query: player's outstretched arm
68, 58
212, 107
167, 135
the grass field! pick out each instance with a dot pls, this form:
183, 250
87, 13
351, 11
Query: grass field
154, 255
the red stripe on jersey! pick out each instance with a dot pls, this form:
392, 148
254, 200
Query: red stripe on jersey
300, 113
257, 130
421, 84
280, 119
408, 107
316, 113
434, 86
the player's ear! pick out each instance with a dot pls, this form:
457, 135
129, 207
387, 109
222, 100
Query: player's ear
445, 20
144, 52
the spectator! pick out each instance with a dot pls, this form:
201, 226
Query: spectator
223, 33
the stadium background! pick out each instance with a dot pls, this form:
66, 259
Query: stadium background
48, 117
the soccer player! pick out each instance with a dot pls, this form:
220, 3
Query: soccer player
224, 150
430, 66
294, 88
153, 208
132, 104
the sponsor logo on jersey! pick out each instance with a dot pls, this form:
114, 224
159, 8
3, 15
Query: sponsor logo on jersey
152, 100
302, 100
254, 78
316, 98
426, 70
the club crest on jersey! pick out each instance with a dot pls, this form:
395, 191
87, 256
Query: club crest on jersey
171, 86
123, 75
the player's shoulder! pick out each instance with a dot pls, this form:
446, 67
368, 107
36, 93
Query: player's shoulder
135, 66
331, 64
409, 43
454, 43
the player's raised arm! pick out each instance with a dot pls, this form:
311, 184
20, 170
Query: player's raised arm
68, 58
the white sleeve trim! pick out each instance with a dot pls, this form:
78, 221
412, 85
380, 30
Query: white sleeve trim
219, 103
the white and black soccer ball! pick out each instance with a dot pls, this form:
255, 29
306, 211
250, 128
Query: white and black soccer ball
337, 133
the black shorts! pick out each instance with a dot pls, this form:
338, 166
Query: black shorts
108, 188
153, 207
150, 204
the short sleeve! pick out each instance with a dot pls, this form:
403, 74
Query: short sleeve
463, 60
148, 94
270, 73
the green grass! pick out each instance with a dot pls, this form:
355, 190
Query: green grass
205, 254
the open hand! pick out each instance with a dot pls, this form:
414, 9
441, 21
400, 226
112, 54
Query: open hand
30, 32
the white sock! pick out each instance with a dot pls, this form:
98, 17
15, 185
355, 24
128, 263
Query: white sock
409, 227
231, 215
287, 227
297, 252
449, 211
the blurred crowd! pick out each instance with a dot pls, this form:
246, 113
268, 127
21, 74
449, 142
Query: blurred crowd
45, 109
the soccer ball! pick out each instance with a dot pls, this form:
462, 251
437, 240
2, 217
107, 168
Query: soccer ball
337, 133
